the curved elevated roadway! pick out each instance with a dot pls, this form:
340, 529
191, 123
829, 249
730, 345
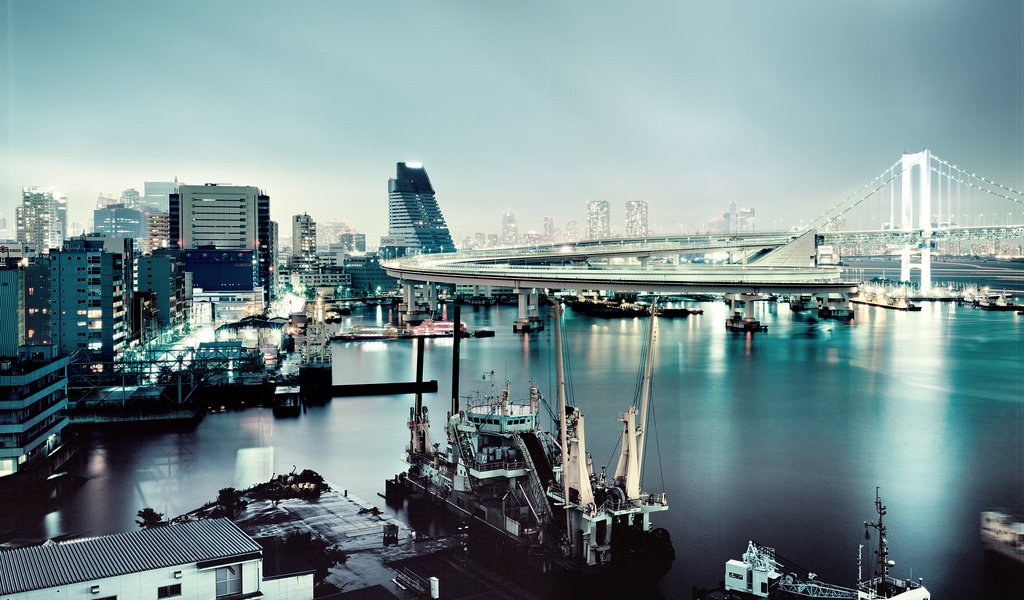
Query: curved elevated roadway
780, 263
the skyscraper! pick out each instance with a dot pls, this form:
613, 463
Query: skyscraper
224, 217
509, 228
414, 218
548, 234
41, 219
598, 223
636, 219
156, 195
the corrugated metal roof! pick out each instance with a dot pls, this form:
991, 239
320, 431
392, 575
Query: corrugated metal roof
51, 565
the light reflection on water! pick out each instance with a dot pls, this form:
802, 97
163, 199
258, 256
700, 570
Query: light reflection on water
779, 437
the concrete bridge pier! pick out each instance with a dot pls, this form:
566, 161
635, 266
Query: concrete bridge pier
412, 311
528, 318
739, 312
835, 306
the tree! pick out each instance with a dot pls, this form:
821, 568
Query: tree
149, 518
230, 500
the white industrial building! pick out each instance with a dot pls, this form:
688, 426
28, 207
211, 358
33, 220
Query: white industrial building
200, 560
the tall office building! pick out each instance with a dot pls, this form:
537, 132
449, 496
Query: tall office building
598, 223
156, 195
12, 306
509, 228
158, 230
90, 296
303, 242
224, 217
41, 219
415, 222
119, 220
636, 219
131, 198
163, 274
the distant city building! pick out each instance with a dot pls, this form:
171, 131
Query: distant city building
734, 221
336, 277
90, 296
156, 195
636, 219
530, 238
331, 232
509, 229
105, 200
224, 217
34, 387
572, 231
353, 242
368, 277
303, 242
41, 219
119, 220
414, 218
275, 259
598, 222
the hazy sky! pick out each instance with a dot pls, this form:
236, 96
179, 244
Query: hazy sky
539, 107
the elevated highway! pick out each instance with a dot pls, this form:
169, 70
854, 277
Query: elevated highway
779, 263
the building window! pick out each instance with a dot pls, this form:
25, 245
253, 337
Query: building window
229, 581
168, 591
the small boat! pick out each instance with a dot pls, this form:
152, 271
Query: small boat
433, 329
1003, 534
672, 313
480, 333
1001, 302
363, 333
738, 323
286, 401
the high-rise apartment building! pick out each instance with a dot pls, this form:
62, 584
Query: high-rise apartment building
119, 220
90, 295
636, 219
548, 234
572, 231
34, 387
598, 222
41, 219
509, 228
303, 242
223, 217
158, 231
415, 222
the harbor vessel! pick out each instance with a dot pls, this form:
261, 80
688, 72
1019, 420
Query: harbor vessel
999, 303
361, 333
672, 313
1003, 534
763, 574
498, 468
737, 323
884, 300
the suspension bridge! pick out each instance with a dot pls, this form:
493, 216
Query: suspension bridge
927, 201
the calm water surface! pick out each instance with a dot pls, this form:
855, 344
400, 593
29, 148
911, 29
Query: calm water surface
779, 437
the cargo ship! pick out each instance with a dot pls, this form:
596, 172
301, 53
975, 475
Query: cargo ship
497, 467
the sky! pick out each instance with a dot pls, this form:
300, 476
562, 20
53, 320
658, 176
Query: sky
537, 107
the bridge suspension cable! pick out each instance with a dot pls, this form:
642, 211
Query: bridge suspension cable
822, 217
963, 179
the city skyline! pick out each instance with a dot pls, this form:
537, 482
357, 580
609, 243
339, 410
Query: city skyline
787, 113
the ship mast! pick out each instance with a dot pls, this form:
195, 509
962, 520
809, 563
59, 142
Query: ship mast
882, 568
562, 417
645, 390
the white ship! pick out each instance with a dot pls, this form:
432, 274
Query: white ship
1003, 534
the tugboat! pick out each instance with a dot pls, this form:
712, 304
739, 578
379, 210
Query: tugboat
737, 323
500, 470
761, 574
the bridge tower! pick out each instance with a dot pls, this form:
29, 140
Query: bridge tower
917, 167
